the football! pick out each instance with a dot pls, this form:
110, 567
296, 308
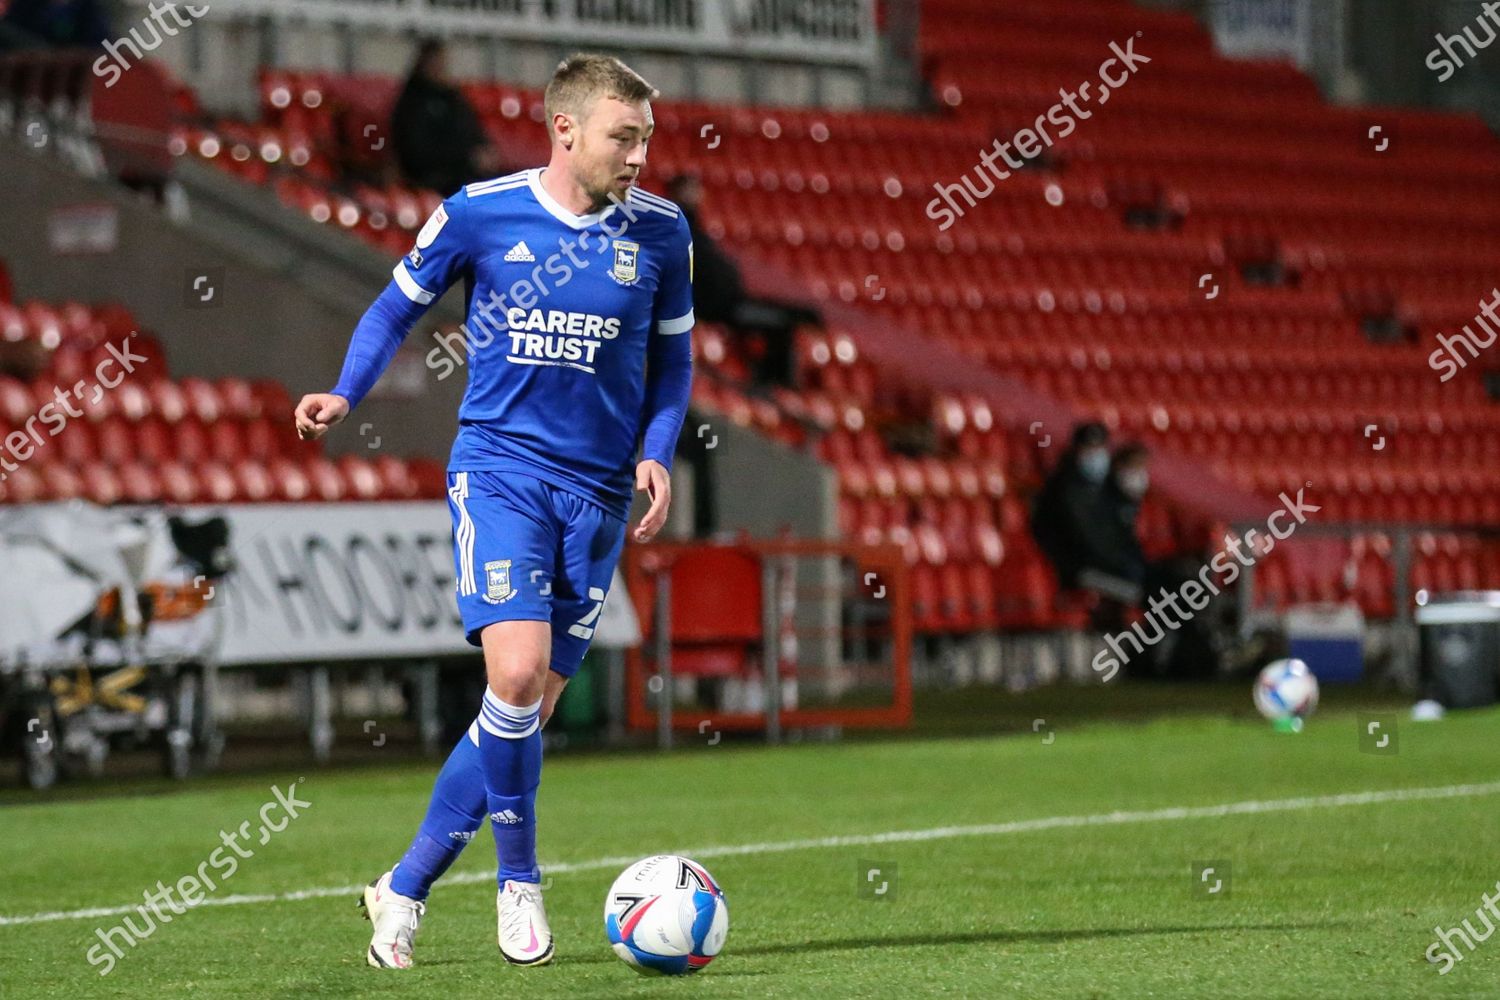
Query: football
665, 915
1286, 689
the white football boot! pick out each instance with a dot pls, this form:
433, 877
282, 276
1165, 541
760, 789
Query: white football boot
525, 938
395, 919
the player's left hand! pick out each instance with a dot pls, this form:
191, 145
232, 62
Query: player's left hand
654, 478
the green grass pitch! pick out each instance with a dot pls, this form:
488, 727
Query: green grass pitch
1079, 882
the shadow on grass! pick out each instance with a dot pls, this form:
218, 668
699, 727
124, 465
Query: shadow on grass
995, 937
1013, 936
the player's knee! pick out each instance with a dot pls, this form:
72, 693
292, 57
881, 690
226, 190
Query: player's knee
517, 680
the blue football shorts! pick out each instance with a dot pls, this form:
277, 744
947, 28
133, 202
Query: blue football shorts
525, 550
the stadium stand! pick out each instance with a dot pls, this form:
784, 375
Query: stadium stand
1149, 273
151, 438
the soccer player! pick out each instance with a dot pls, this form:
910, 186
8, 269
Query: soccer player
579, 303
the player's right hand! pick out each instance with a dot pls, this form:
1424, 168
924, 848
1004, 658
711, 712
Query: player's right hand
319, 411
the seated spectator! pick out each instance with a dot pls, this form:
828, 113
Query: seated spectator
438, 139
1124, 489
1193, 650
1075, 525
719, 295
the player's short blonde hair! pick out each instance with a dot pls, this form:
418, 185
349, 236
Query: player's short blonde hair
584, 76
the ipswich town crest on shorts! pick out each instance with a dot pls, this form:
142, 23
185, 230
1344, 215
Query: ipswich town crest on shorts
497, 588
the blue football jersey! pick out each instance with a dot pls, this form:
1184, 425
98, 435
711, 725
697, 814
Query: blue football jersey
561, 309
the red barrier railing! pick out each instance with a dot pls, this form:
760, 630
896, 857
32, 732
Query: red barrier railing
816, 621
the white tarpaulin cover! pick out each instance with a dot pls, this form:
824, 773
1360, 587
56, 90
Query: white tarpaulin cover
56, 560
310, 582
355, 581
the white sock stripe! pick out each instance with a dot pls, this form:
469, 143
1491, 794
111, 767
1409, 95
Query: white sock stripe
496, 702
508, 734
506, 727
506, 715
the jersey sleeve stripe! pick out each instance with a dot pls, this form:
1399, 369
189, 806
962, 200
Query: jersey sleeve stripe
498, 188
480, 187
409, 286
657, 200
673, 327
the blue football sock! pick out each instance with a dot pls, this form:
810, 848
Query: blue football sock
454, 815
510, 751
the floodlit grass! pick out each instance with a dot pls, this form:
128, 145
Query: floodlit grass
1323, 899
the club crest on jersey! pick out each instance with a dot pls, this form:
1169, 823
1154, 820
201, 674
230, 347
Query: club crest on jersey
625, 258
497, 588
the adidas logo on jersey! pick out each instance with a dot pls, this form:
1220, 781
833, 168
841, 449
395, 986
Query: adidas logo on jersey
520, 252
505, 816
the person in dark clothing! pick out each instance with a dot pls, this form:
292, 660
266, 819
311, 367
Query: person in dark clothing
438, 139
56, 23
1124, 489
719, 294
1072, 519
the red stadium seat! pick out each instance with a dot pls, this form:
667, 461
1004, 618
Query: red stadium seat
139, 484
264, 438
62, 482
76, 443
716, 612
168, 400
361, 478
190, 442
23, 485
397, 481
154, 442
116, 442
431, 479
202, 400
239, 399
131, 400
255, 484
178, 484
15, 402
275, 402
101, 485
226, 440
289, 481
324, 479
216, 483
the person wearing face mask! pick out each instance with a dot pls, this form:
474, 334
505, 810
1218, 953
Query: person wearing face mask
1074, 522
1188, 652
1124, 489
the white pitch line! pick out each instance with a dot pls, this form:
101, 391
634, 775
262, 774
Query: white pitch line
861, 840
